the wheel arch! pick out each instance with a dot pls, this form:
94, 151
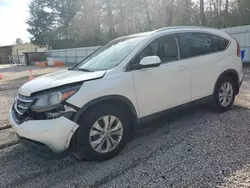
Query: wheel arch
232, 74
119, 100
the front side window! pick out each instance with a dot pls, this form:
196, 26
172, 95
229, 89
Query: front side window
164, 47
168, 49
195, 44
110, 55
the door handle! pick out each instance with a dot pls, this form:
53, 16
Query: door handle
183, 67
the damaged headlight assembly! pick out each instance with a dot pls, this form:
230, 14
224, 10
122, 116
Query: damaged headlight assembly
53, 103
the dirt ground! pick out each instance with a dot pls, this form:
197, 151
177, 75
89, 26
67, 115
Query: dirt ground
196, 148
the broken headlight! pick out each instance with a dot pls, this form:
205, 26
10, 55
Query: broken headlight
52, 100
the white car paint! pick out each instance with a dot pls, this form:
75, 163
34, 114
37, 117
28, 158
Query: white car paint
110, 84
150, 90
57, 79
150, 60
155, 90
43, 131
206, 69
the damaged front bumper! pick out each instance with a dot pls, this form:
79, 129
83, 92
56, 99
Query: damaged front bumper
52, 134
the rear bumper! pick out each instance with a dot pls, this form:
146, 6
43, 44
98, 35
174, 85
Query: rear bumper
53, 134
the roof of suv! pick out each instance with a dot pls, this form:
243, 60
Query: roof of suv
184, 27
175, 28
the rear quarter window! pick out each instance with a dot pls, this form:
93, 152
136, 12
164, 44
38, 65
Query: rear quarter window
219, 43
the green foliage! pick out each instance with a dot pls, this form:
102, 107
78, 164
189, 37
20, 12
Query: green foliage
19, 41
41, 23
77, 23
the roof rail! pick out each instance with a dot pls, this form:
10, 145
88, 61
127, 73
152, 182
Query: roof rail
182, 27
133, 35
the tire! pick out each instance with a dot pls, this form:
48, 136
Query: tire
82, 147
217, 102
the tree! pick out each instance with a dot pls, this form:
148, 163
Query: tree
19, 41
147, 14
202, 14
77, 23
110, 19
122, 17
242, 12
41, 23
88, 23
227, 5
186, 13
170, 11
64, 12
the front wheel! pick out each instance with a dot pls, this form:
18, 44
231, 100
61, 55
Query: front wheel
103, 133
224, 95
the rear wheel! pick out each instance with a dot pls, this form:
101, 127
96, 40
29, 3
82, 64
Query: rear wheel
224, 94
103, 133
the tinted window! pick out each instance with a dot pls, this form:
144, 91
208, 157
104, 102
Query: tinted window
164, 47
168, 50
219, 43
195, 44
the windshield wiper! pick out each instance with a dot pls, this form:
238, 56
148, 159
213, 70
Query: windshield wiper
86, 70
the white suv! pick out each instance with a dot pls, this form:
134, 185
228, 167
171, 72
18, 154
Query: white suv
92, 109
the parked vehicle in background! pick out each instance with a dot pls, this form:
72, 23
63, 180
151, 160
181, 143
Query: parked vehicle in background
92, 109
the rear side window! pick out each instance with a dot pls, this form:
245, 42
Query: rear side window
195, 44
219, 43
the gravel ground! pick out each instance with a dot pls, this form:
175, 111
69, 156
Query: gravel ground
15, 76
6, 100
7, 138
196, 148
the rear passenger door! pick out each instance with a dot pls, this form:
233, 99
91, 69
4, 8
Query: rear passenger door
203, 53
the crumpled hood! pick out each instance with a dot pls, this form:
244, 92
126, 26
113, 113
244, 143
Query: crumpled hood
58, 79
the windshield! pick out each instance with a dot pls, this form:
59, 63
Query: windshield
110, 55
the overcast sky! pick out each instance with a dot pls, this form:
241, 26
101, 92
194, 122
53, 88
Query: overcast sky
13, 14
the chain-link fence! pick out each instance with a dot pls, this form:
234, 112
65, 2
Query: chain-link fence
14, 59
17, 59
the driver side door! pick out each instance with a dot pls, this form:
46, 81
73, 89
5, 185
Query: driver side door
163, 87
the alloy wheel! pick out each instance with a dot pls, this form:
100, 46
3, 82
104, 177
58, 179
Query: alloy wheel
226, 94
106, 134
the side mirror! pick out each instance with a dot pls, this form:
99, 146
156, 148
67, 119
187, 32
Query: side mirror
150, 61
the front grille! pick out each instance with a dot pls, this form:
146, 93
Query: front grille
21, 107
